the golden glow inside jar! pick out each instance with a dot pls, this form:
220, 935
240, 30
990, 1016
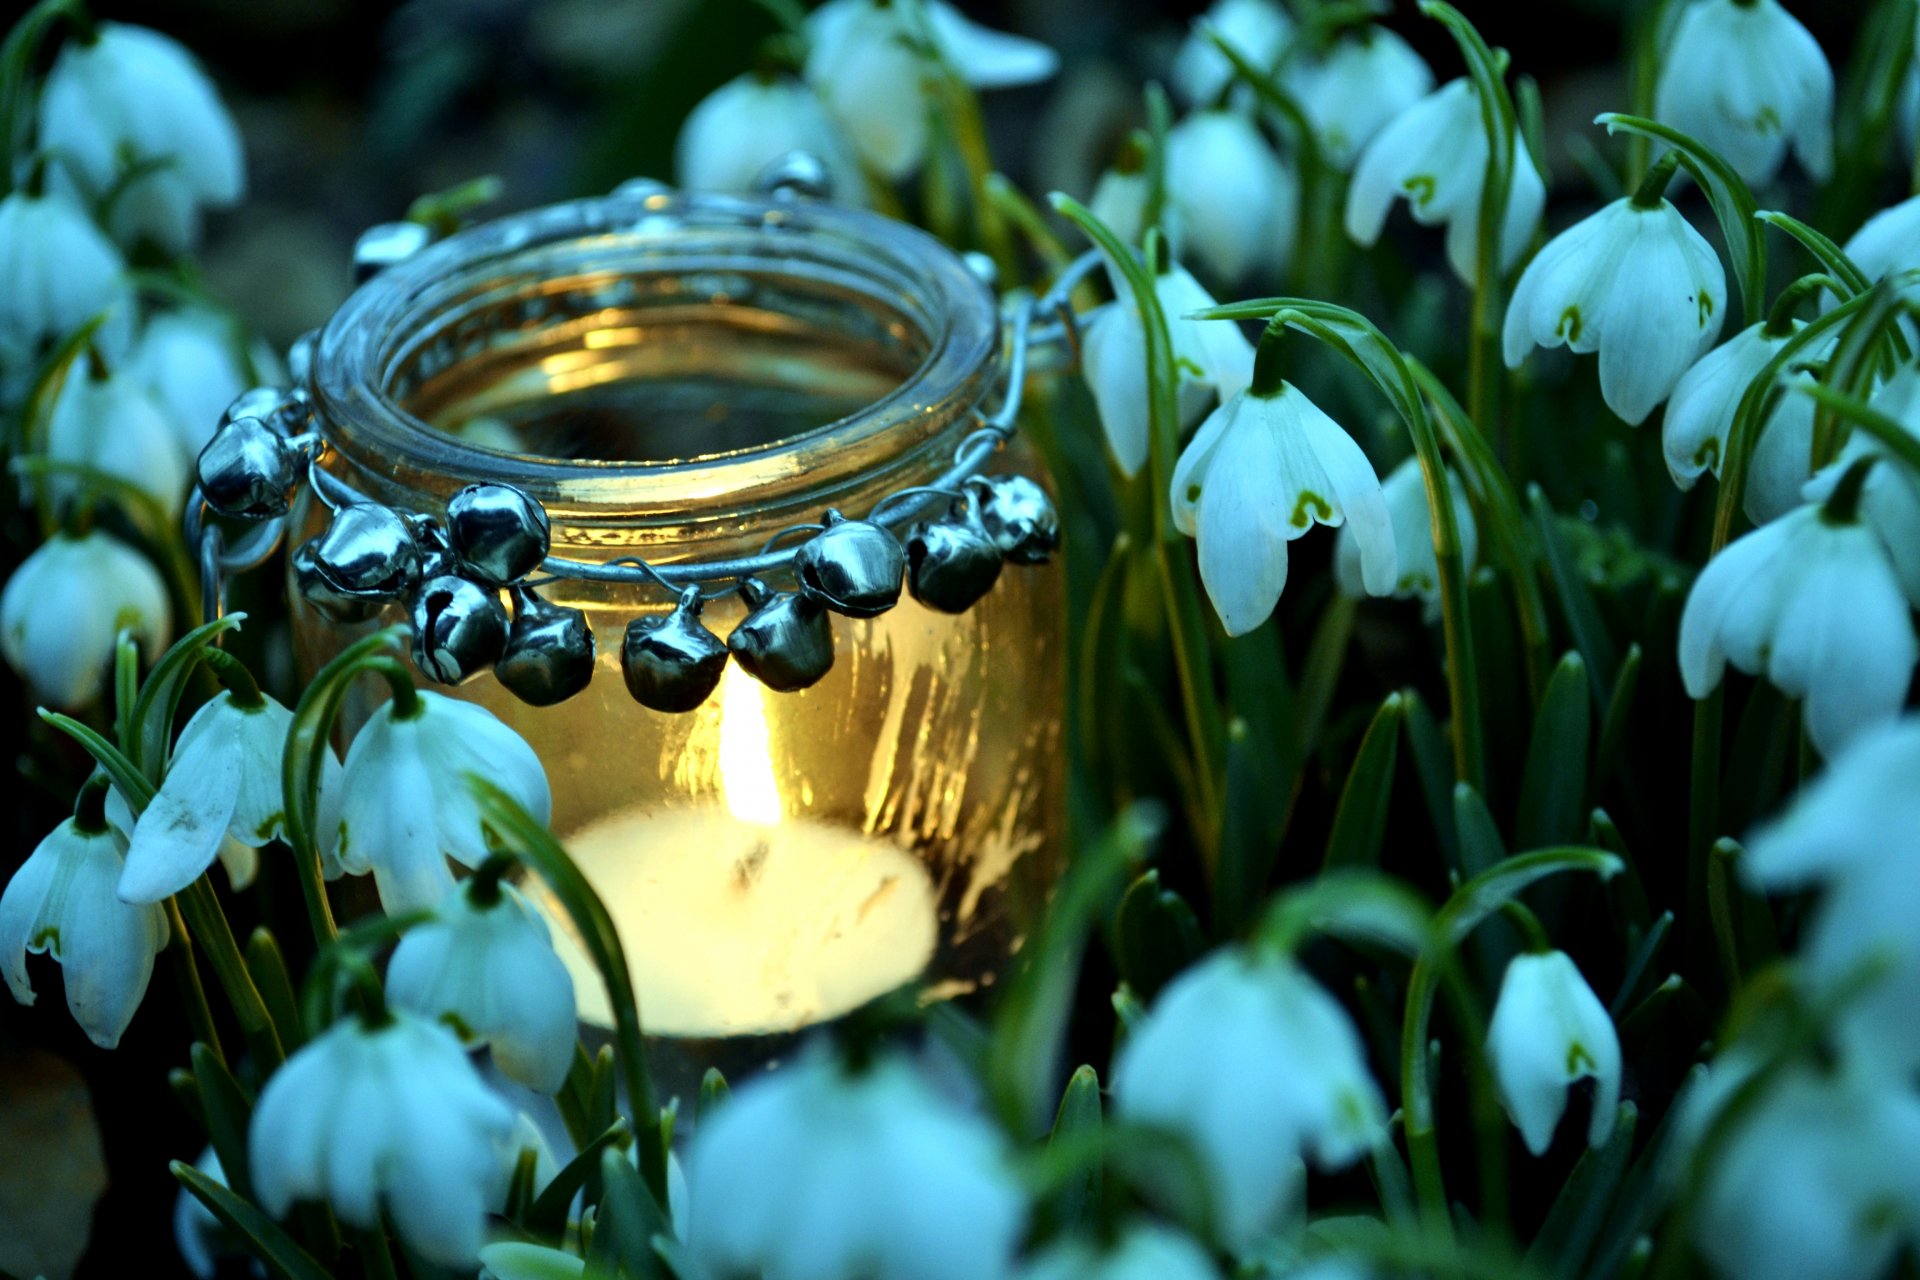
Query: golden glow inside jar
679, 378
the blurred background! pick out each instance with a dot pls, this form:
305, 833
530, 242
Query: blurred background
350, 109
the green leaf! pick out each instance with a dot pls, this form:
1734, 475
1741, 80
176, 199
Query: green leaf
1360, 822
1320, 676
269, 970
1552, 787
547, 1216
1358, 905
1481, 848
1640, 1198
1498, 121
1156, 935
226, 1110
1576, 602
18, 57
1732, 202
1253, 817
132, 785
159, 699
631, 1215
1435, 771
1829, 255
714, 1093
1567, 1235
1613, 729
1078, 1121
270, 1246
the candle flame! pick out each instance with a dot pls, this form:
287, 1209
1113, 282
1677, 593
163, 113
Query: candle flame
746, 751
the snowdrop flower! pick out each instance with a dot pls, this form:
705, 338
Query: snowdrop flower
64, 607
1634, 282
1549, 1030
107, 420
197, 1234
1434, 154
1810, 601
1406, 493
1700, 415
816, 1172
61, 903
1258, 29
870, 69
191, 363
131, 96
57, 271
1890, 501
1354, 89
485, 965
385, 1116
519, 1260
1744, 77
1856, 830
1816, 1181
1265, 467
1120, 197
1256, 1066
406, 805
1143, 1252
222, 784
1210, 356
1889, 242
752, 121
1239, 205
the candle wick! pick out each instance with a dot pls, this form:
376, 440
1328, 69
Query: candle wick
747, 870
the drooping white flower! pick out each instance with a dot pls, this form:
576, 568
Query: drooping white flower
1634, 282
1856, 831
64, 606
488, 970
1816, 1180
1210, 356
1239, 204
61, 903
814, 1172
389, 1117
1888, 243
406, 805
196, 1232
1549, 1030
1258, 29
1810, 601
1744, 77
107, 420
57, 271
748, 123
1890, 500
1257, 1067
1120, 198
131, 96
222, 784
1260, 472
1434, 155
1700, 415
870, 68
190, 362
1406, 492
1350, 92
1142, 1252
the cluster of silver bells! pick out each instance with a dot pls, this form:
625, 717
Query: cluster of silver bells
451, 574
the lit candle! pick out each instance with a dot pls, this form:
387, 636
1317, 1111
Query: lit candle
741, 918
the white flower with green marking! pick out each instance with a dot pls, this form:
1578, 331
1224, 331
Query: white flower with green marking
192, 363
1144, 1251
1433, 155
1890, 500
64, 606
1888, 243
107, 420
61, 903
1261, 471
388, 1120
57, 271
752, 121
124, 97
484, 964
1634, 282
1810, 602
871, 68
1353, 90
1744, 77
1406, 491
1238, 202
1257, 29
1549, 1030
1255, 1065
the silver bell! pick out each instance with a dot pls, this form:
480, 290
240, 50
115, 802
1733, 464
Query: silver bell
785, 642
329, 601
368, 551
1019, 516
951, 562
248, 470
500, 534
279, 408
671, 661
459, 628
797, 175
549, 655
300, 357
852, 567
435, 548
386, 245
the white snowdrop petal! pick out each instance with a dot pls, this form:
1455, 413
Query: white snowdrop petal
985, 58
1355, 494
1242, 526
1548, 1030
750, 122
180, 831
1190, 469
1862, 808
1729, 609
1846, 642
1114, 355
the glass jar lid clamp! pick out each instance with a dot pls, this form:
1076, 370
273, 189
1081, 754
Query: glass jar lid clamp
944, 542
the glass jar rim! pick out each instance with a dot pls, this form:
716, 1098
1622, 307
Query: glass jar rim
360, 350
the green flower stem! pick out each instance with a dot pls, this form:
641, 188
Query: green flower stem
1027, 219
193, 993
1703, 814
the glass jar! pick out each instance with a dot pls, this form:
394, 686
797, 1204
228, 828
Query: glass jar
681, 377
